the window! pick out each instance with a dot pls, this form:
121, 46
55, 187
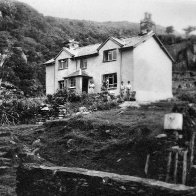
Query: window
61, 84
112, 78
83, 63
63, 64
109, 55
72, 82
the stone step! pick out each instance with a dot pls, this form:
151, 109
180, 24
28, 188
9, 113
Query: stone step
4, 148
4, 169
5, 133
5, 161
2, 154
4, 139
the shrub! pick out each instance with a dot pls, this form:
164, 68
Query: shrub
19, 111
187, 97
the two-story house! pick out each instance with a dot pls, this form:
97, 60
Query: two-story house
142, 60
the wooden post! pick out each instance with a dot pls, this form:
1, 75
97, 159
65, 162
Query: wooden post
147, 164
192, 149
176, 167
168, 166
184, 170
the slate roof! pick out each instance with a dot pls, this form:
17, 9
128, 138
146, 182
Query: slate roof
78, 73
135, 40
49, 62
83, 51
123, 43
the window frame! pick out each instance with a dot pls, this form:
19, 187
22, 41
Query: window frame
82, 63
72, 82
113, 77
109, 55
61, 83
63, 64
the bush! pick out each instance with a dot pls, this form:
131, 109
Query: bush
63, 96
187, 97
19, 111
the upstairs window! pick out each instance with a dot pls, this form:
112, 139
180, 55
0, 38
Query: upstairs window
112, 80
63, 64
72, 82
61, 84
83, 63
110, 55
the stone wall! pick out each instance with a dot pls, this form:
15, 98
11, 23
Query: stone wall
49, 181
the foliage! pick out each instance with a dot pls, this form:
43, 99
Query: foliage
185, 96
19, 111
73, 100
169, 29
189, 29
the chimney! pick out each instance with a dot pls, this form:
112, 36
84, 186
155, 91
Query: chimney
146, 25
72, 44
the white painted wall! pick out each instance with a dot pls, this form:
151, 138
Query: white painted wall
152, 72
60, 74
127, 66
96, 67
50, 79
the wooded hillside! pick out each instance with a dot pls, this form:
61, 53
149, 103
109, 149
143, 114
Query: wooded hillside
38, 38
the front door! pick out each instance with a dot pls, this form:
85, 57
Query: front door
85, 84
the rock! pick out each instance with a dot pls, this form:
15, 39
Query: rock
12, 142
70, 142
78, 113
161, 136
127, 104
122, 187
85, 113
45, 108
36, 142
83, 109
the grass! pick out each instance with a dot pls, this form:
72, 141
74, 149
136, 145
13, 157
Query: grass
113, 140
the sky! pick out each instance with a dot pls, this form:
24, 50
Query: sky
178, 13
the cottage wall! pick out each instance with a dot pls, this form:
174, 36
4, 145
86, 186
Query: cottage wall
152, 72
60, 74
50, 79
127, 66
97, 68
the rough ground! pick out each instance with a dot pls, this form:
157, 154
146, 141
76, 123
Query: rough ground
112, 141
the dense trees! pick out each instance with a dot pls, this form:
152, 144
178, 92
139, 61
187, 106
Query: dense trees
169, 29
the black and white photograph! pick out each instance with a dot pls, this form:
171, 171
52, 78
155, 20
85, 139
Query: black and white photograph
97, 97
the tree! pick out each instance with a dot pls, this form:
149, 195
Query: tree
169, 29
189, 29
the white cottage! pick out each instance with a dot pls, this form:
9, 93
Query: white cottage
143, 60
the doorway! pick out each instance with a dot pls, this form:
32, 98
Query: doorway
85, 84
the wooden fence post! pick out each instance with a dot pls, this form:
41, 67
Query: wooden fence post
147, 164
168, 166
176, 167
184, 170
192, 149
